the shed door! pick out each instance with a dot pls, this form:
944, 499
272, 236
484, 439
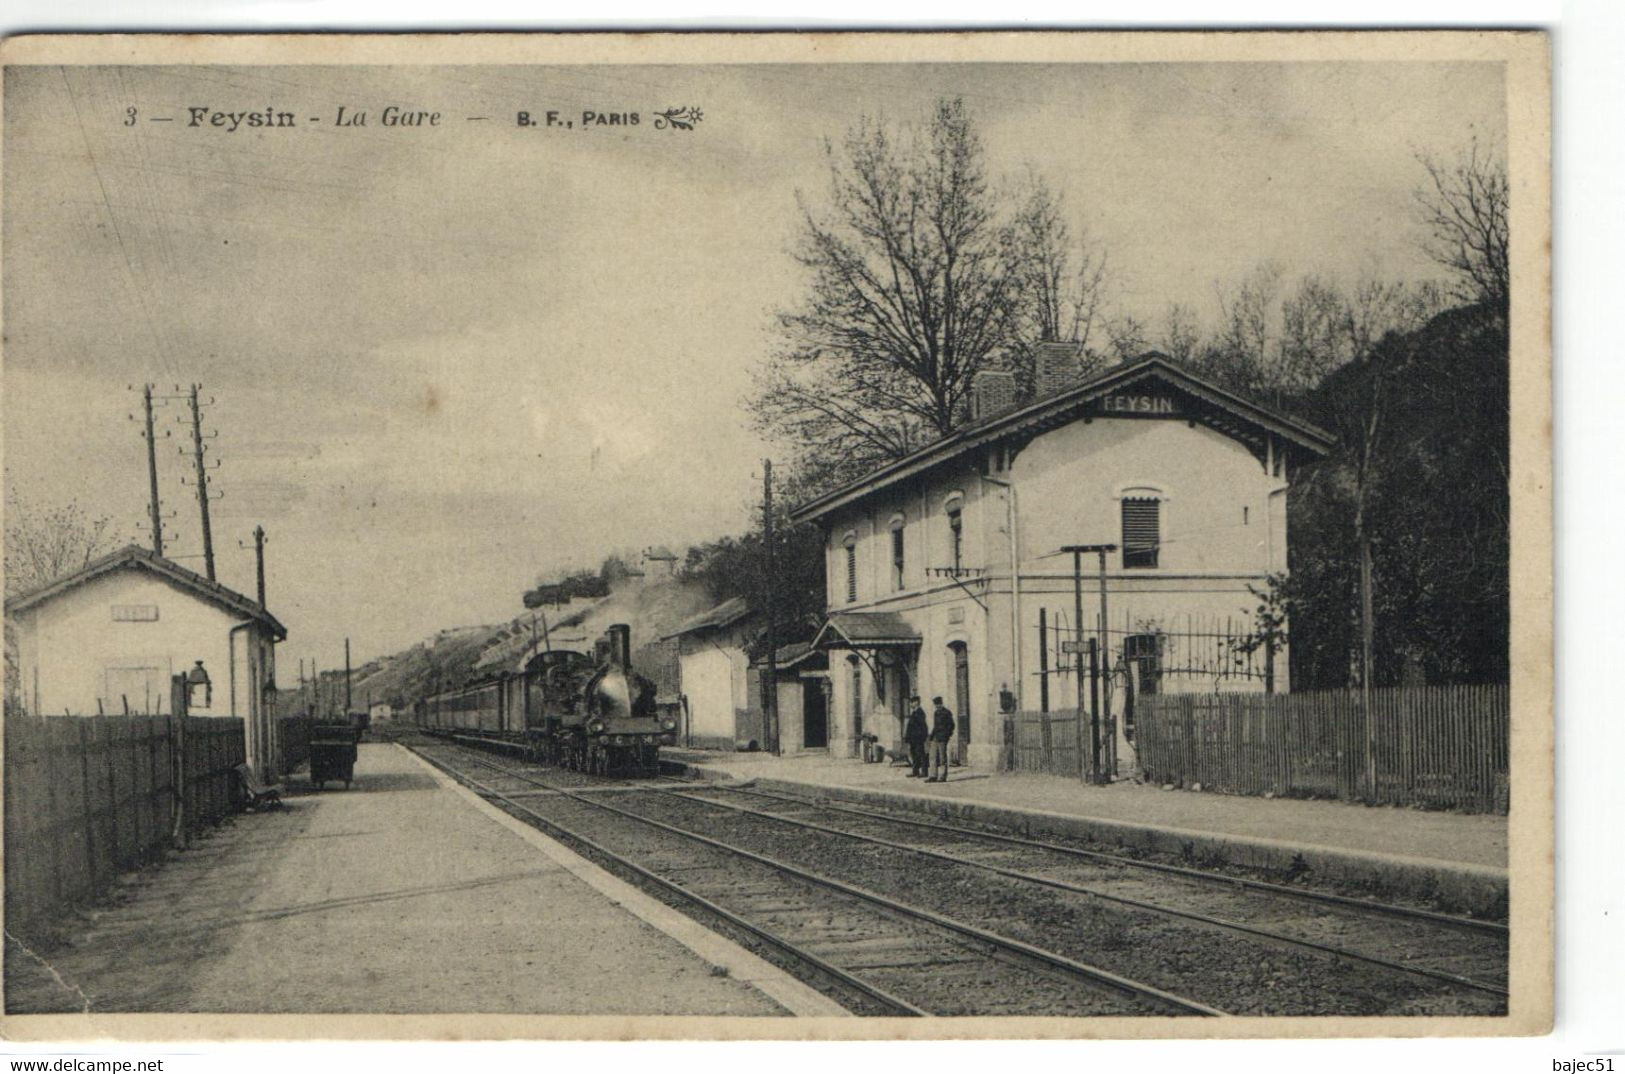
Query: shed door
144, 689
814, 715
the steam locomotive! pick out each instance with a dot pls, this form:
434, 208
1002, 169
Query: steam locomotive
590, 712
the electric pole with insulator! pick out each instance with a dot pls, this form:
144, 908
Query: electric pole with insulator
152, 476
202, 486
259, 563
770, 672
1094, 773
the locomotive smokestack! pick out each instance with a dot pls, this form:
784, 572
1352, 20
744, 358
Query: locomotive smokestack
620, 645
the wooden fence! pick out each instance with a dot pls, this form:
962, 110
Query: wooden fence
1433, 746
1043, 742
90, 796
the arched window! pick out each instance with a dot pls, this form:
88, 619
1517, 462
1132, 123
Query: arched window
955, 510
897, 551
1142, 527
851, 544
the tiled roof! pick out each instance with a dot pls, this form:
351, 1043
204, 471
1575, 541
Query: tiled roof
725, 614
133, 555
795, 654
864, 630
1054, 409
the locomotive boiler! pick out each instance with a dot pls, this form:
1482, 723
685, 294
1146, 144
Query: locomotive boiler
587, 711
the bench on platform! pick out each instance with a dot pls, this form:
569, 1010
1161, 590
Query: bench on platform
255, 794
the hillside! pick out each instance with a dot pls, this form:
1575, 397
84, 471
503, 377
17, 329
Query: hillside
457, 657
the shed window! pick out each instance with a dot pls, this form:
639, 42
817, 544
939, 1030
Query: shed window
1141, 531
897, 554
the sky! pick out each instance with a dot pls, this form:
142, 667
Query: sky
446, 361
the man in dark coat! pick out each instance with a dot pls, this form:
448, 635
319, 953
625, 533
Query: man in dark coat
915, 733
942, 733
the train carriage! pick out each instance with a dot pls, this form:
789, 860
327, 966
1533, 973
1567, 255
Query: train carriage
591, 712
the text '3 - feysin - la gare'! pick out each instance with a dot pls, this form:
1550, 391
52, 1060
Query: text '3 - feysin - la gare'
346, 116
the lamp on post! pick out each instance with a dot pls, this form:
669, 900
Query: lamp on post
199, 690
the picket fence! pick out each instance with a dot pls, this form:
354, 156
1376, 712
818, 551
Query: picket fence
1431, 746
87, 797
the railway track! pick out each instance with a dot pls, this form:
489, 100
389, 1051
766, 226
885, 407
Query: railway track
1218, 942
1452, 950
875, 953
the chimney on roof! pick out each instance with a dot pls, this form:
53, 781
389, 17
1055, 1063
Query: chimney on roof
1056, 366
992, 391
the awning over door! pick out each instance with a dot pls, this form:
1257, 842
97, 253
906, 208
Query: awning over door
866, 630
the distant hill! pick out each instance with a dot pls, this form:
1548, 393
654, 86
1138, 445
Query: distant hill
460, 656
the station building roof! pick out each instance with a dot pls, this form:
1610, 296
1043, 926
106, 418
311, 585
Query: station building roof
722, 616
134, 557
1219, 407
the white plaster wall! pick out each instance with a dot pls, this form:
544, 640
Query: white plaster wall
67, 645
1070, 480
708, 682
1068, 485
927, 539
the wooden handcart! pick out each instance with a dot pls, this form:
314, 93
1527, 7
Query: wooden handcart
332, 754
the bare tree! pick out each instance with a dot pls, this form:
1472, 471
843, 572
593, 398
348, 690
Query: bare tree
920, 275
1063, 279
1247, 351
44, 543
1181, 336
1463, 208
1128, 336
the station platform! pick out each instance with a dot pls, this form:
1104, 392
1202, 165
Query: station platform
401, 895
1454, 861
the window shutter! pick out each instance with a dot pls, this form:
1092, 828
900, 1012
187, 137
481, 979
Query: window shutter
1141, 532
851, 574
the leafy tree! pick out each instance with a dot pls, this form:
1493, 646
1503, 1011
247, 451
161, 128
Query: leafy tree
614, 570
1421, 473
737, 567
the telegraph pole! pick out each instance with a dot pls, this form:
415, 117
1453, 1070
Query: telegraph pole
346, 678
770, 684
259, 563
1104, 649
152, 475
202, 486
1078, 648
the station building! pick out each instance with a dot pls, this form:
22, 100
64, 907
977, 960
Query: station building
107, 639
945, 570
714, 671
